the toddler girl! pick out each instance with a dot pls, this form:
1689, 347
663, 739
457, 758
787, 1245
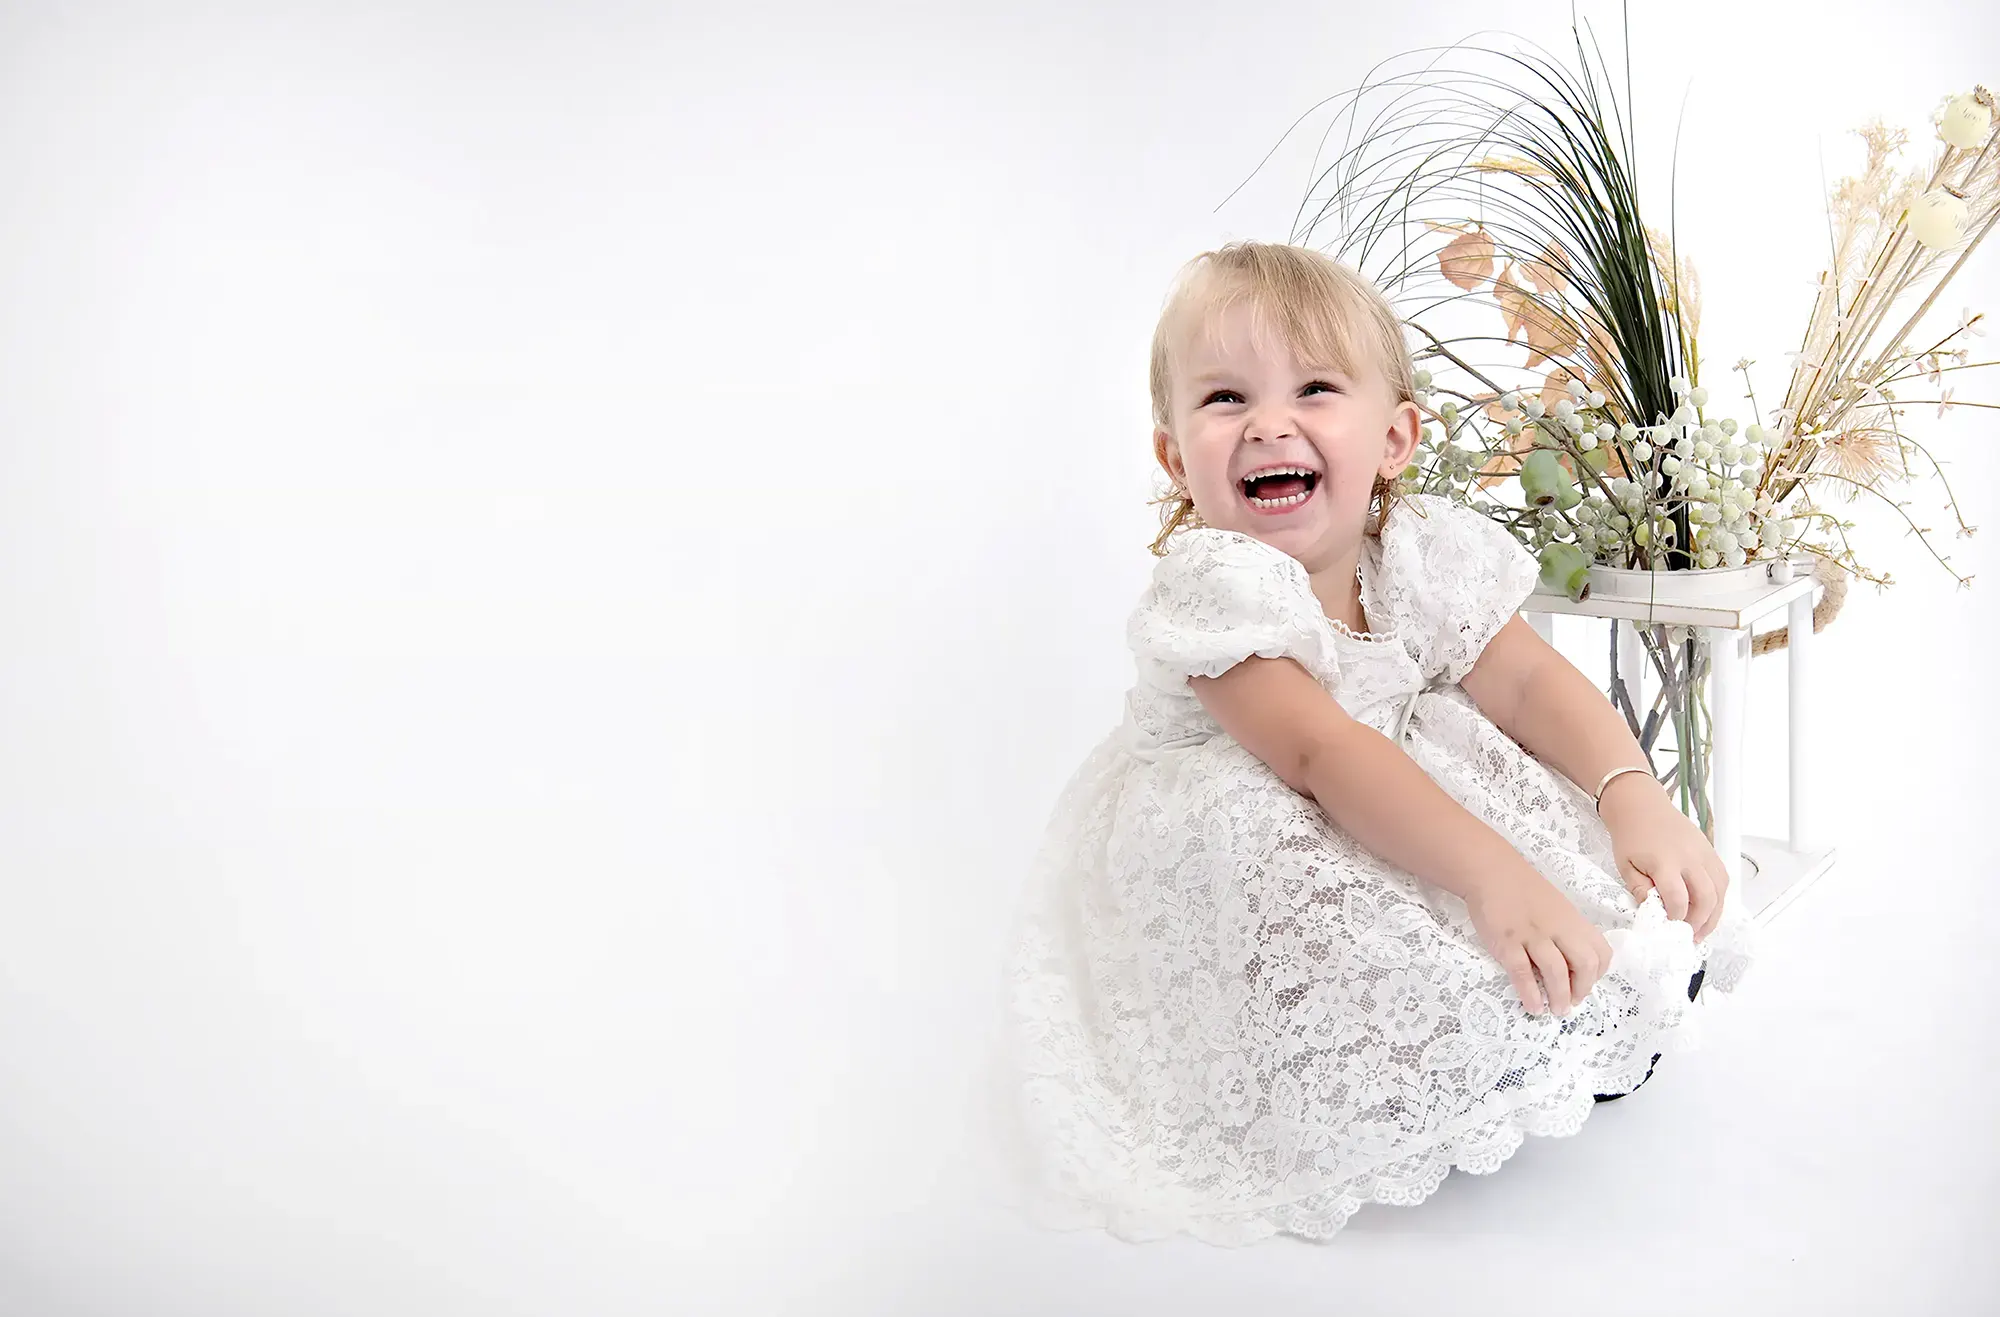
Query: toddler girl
1357, 893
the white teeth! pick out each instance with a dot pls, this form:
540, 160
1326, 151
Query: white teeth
1294, 500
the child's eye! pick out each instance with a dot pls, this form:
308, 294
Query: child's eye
1221, 394
1320, 384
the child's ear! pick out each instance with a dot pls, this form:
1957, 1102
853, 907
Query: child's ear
1168, 454
1405, 428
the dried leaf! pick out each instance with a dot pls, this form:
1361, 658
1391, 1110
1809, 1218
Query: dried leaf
1555, 388
1550, 272
1503, 464
1550, 333
1616, 466
1513, 300
1600, 348
1467, 260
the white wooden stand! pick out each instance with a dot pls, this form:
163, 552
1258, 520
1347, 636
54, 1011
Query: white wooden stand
1768, 872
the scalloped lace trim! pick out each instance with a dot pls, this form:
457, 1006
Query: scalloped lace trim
1379, 636
1479, 1143
1365, 637
1482, 1148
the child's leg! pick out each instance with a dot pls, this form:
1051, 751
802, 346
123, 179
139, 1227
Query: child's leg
1694, 990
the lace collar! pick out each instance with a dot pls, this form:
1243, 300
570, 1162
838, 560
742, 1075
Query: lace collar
1364, 568
1367, 566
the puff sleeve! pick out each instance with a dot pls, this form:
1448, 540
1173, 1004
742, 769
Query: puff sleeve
1451, 578
1219, 597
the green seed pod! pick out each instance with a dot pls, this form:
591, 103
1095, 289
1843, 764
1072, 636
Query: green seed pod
1542, 477
1565, 568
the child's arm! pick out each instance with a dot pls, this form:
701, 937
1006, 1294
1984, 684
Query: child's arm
1377, 795
1375, 792
1535, 695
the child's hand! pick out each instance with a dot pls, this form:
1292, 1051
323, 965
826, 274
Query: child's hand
1529, 925
1660, 849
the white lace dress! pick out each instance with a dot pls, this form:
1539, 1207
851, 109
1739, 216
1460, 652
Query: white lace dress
1231, 1019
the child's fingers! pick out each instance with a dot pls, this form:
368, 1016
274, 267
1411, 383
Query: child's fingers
1718, 871
1636, 882
1720, 874
1548, 958
1585, 966
1673, 891
1714, 918
1522, 971
1602, 945
1701, 897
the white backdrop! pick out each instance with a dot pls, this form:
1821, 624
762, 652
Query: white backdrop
554, 559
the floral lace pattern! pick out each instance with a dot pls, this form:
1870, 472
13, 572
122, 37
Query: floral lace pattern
1231, 1019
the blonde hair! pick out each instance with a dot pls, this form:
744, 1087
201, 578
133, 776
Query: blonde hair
1325, 310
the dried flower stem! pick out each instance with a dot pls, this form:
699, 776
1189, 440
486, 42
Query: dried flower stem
1938, 287
1868, 286
1911, 374
1901, 511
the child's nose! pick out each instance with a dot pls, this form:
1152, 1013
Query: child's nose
1270, 424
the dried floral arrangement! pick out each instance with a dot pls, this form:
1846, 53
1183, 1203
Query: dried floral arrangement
1529, 207
1494, 197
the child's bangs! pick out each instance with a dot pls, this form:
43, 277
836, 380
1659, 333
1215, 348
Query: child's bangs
1318, 321
1325, 313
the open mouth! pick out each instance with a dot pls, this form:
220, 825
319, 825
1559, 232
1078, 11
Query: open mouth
1279, 489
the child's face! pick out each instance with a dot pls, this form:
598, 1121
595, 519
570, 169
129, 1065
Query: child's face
1243, 403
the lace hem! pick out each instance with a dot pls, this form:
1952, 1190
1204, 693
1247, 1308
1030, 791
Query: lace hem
1479, 1143
1320, 1216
